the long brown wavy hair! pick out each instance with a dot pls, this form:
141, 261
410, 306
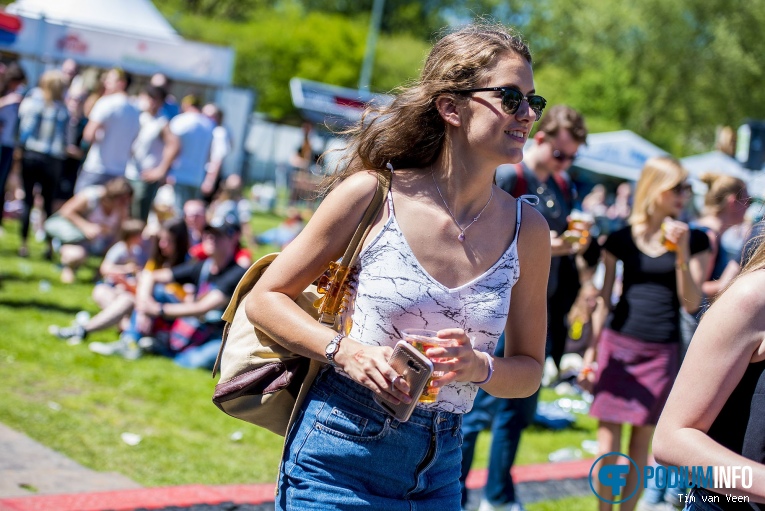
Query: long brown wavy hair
409, 132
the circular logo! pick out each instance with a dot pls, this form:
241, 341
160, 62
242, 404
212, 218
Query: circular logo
612, 479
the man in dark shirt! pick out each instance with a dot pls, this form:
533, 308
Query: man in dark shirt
543, 174
214, 279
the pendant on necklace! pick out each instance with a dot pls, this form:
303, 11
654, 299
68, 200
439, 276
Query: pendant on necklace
461, 237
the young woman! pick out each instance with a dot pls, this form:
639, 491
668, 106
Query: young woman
445, 254
43, 121
638, 347
715, 414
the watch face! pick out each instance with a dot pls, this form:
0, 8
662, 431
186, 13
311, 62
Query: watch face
332, 348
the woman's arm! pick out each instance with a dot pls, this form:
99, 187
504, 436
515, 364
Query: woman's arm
519, 372
729, 337
74, 210
690, 269
271, 307
712, 287
586, 376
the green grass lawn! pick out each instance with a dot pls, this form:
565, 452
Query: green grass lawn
79, 403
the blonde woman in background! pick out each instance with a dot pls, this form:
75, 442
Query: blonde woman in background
43, 121
637, 344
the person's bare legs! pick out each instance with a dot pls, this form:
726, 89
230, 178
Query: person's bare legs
72, 256
103, 294
609, 440
640, 440
120, 306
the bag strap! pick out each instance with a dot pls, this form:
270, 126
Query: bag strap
333, 296
350, 256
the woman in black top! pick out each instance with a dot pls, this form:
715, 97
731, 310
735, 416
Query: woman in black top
637, 346
715, 415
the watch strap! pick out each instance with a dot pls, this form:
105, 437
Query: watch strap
330, 353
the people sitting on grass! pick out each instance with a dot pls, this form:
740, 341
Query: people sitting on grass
116, 295
89, 222
197, 327
201, 250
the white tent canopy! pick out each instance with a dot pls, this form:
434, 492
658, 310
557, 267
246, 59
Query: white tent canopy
715, 161
619, 154
133, 17
130, 34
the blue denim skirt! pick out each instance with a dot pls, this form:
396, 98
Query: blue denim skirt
345, 452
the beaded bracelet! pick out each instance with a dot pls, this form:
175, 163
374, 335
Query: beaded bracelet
490, 360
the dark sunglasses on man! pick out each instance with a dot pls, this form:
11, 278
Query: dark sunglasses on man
563, 157
512, 99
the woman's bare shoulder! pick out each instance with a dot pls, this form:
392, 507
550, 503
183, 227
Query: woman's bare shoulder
746, 293
356, 188
737, 317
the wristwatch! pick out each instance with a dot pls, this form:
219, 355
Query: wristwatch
332, 348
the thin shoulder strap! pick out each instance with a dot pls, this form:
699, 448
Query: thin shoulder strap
532, 200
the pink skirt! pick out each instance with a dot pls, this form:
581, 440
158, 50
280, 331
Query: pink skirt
634, 379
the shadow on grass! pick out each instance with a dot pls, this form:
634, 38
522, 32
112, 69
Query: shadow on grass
42, 306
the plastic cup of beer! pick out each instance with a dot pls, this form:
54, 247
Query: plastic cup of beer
423, 340
668, 244
579, 223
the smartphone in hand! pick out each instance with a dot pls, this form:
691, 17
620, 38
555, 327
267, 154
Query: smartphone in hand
415, 368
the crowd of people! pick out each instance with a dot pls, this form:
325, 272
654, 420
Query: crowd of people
128, 174
484, 237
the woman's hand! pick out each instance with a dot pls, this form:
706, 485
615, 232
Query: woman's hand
459, 361
368, 365
680, 234
586, 379
91, 230
143, 323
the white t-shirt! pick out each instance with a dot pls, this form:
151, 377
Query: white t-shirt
120, 123
196, 133
221, 144
147, 146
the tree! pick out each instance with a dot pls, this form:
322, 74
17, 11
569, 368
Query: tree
277, 45
666, 69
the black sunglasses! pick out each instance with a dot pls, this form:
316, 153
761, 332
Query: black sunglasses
561, 156
512, 98
681, 188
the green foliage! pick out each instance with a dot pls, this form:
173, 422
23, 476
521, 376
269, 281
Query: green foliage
277, 45
668, 70
671, 70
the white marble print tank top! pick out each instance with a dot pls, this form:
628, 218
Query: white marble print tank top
393, 291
